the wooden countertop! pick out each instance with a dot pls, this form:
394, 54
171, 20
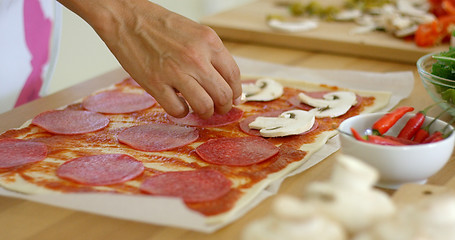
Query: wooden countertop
20, 219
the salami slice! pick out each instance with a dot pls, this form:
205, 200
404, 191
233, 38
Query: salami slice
192, 186
236, 151
216, 120
70, 122
15, 152
158, 136
254, 132
105, 169
118, 102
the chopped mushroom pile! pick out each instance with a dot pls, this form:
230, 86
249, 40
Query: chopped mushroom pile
348, 207
401, 18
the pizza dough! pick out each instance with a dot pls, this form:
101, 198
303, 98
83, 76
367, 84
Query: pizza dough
158, 136
70, 121
105, 169
192, 186
15, 152
246, 181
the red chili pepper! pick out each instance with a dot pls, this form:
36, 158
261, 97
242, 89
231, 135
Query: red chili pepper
401, 140
357, 135
433, 136
383, 141
383, 124
421, 135
412, 126
437, 139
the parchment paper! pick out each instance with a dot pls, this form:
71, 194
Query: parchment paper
172, 212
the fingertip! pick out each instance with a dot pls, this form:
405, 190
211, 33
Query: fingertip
223, 109
178, 110
205, 114
239, 100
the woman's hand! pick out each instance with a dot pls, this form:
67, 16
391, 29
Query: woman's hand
175, 59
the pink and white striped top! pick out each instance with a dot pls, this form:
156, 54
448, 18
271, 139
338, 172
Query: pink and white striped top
29, 36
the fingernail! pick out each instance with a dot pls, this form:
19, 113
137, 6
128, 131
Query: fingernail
239, 100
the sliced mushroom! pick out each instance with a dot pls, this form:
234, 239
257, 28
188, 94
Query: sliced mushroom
348, 15
410, 8
288, 123
333, 104
292, 26
406, 31
264, 89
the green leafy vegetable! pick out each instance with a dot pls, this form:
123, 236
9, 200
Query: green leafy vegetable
445, 67
449, 95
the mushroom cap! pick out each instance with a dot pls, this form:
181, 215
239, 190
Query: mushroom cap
350, 172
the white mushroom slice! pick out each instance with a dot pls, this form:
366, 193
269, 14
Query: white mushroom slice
288, 123
347, 15
406, 31
407, 7
333, 104
290, 26
264, 89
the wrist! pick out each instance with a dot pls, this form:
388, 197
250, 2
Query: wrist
107, 16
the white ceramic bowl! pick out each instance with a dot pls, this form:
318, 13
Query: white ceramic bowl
397, 164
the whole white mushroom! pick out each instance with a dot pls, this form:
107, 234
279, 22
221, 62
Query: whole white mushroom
429, 219
349, 196
292, 219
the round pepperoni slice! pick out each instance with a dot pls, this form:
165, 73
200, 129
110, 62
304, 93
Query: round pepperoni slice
70, 122
158, 137
15, 152
105, 169
254, 132
217, 120
118, 102
192, 186
236, 151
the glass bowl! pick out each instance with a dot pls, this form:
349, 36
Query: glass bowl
434, 85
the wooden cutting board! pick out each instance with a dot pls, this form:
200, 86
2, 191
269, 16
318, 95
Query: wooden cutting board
247, 23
